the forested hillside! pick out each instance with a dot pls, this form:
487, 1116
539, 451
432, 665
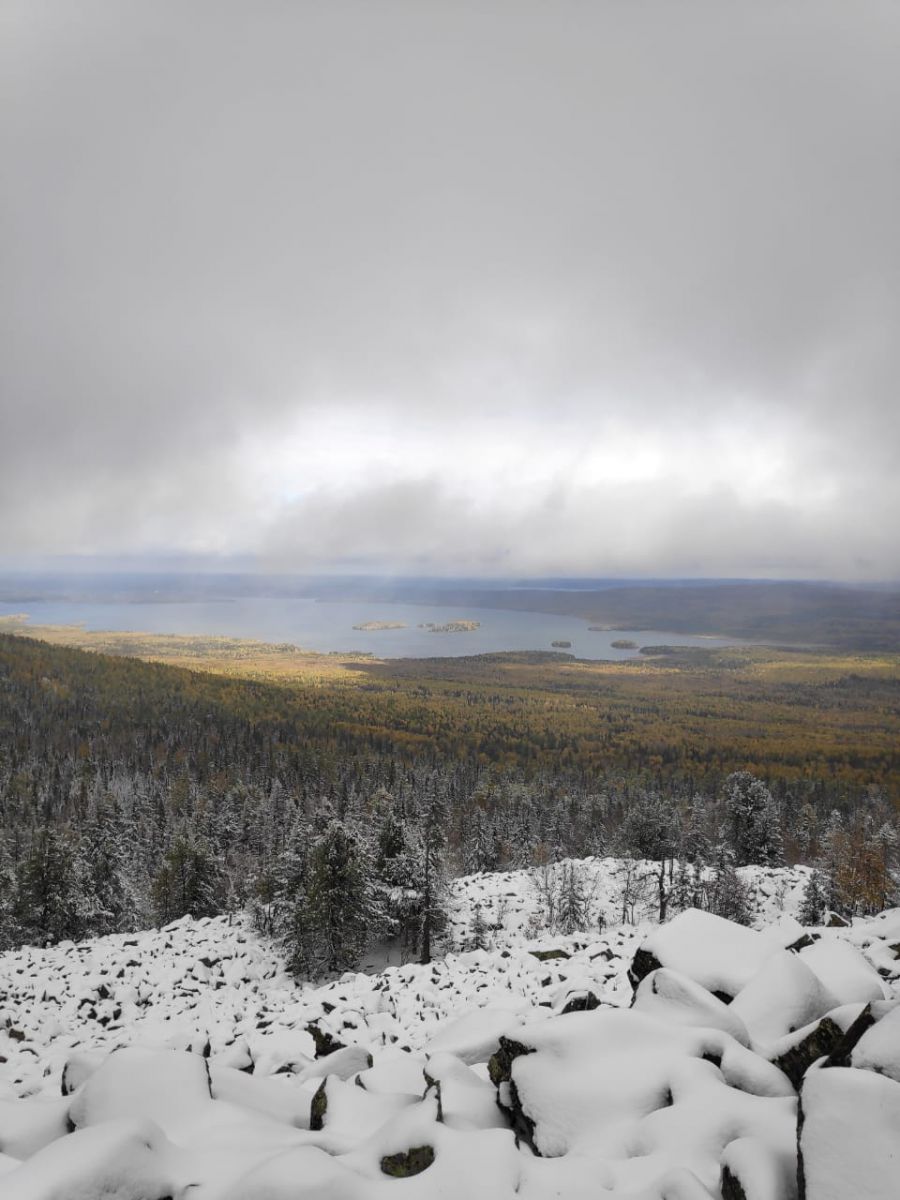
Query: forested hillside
133, 792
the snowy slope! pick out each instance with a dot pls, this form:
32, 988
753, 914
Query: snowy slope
514, 900
228, 1080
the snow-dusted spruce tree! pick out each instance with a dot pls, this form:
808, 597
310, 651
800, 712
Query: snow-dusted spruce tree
805, 832
45, 911
281, 905
189, 881
104, 896
8, 928
478, 935
649, 830
752, 823
482, 848
574, 904
341, 903
397, 860
726, 894
433, 879
693, 856
815, 900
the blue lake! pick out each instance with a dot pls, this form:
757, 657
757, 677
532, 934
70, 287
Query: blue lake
327, 626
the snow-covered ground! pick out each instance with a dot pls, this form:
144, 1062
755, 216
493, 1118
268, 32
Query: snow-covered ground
186, 1063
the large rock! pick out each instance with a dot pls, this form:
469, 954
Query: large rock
641, 1095
794, 1055
849, 1135
719, 955
878, 1047
278, 1097
118, 1160
784, 995
26, 1126
844, 971
165, 1086
474, 1036
670, 996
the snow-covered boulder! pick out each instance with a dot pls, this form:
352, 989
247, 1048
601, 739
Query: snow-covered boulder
849, 1137
280, 1098
466, 1101
784, 995
26, 1126
671, 996
843, 970
164, 1086
116, 1160
473, 1037
878, 1049
628, 1090
79, 1067
349, 1111
717, 954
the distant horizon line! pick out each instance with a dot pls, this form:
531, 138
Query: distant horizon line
244, 567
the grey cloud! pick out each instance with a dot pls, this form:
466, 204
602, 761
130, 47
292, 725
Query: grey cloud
221, 221
625, 529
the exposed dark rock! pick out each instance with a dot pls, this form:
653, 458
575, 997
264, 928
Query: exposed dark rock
408, 1162
801, 943
732, 1188
840, 1055
434, 1085
641, 965
318, 1108
500, 1071
821, 1041
501, 1061
546, 955
836, 921
581, 1002
325, 1043
801, 1174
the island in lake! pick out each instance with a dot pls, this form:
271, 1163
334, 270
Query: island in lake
451, 626
368, 626
624, 644
561, 645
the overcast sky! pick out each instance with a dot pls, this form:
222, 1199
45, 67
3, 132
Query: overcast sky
600, 287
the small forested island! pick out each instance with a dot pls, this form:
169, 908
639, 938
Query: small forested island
369, 626
561, 645
624, 644
451, 626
